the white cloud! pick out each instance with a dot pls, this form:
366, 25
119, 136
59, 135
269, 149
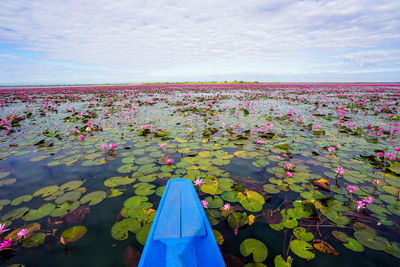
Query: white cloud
179, 39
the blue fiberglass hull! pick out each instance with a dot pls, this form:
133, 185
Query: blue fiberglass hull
180, 234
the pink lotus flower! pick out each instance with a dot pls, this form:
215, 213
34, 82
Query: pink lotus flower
82, 137
351, 189
278, 157
368, 200
377, 182
169, 161
112, 146
331, 149
289, 174
360, 205
2, 230
227, 207
5, 244
163, 145
318, 127
260, 142
340, 170
22, 233
198, 182
204, 204
75, 130
287, 166
380, 154
103, 146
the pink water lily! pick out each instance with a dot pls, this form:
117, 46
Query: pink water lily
112, 146
169, 161
22, 233
288, 166
360, 205
260, 142
340, 170
198, 182
163, 145
377, 182
2, 230
6, 244
103, 146
204, 203
351, 189
227, 207
82, 137
368, 200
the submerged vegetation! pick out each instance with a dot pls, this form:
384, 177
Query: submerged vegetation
286, 173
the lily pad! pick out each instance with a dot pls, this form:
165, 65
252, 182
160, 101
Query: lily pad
18, 201
301, 248
230, 196
120, 229
41, 212
354, 245
300, 233
255, 247
46, 191
68, 186
340, 236
74, 233
144, 189
370, 240
118, 180
34, 241
15, 214
31, 228
280, 262
69, 196
93, 198
214, 202
142, 234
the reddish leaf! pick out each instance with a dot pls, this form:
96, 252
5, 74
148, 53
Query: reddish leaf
131, 256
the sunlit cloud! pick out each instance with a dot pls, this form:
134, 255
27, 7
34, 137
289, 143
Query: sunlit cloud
134, 41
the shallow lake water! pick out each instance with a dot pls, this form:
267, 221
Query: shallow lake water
271, 151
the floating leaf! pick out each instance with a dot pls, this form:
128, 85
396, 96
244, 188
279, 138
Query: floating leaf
255, 247
324, 247
69, 196
340, 236
42, 211
93, 198
301, 248
160, 191
280, 262
142, 234
120, 229
15, 214
237, 219
77, 215
131, 256
300, 233
354, 245
214, 202
144, 189
218, 237
272, 216
370, 240
17, 201
7, 181
31, 228
68, 186
118, 180
46, 191
34, 241
74, 233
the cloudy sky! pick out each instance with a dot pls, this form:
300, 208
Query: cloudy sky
96, 41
